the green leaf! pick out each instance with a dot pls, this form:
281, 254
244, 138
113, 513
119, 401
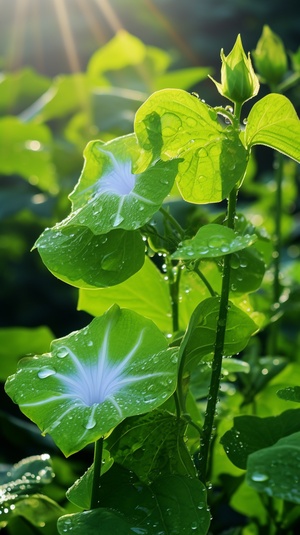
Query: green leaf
19, 491
16, 342
19, 89
108, 195
201, 342
96, 377
276, 470
172, 504
151, 445
252, 433
291, 393
25, 150
132, 294
77, 256
212, 241
172, 123
273, 121
247, 270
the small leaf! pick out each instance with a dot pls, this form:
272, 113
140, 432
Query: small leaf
276, 470
172, 504
85, 260
212, 241
202, 339
291, 393
118, 366
273, 121
132, 294
174, 124
108, 195
252, 433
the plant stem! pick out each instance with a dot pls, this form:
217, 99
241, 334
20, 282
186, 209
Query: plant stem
98, 449
212, 399
174, 273
204, 279
173, 221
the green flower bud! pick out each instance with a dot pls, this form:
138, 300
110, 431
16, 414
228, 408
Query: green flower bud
238, 79
270, 57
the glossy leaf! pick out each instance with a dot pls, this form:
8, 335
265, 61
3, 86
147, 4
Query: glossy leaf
276, 470
172, 504
85, 260
203, 336
20, 487
133, 294
26, 150
96, 377
247, 270
172, 123
151, 445
108, 195
273, 121
212, 241
16, 342
252, 433
291, 393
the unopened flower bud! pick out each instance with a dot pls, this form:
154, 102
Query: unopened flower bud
270, 57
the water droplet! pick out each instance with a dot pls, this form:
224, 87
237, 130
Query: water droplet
117, 220
46, 372
62, 352
194, 525
90, 423
259, 476
216, 241
90, 343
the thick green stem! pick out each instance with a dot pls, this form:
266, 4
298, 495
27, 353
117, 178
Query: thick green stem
212, 399
98, 449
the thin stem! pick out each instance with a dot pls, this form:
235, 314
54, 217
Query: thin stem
174, 273
204, 279
212, 399
98, 450
173, 221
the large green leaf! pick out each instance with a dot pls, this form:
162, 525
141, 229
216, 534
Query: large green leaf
172, 505
108, 195
201, 341
77, 256
133, 293
19, 89
25, 150
276, 470
273, 121
20, 487
117, 366
213, 241
252, 433
16, 342
151, 445
172, 123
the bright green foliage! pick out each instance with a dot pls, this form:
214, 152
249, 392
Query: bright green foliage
172, 504
116, 367
20, 488
270, 57
239, 82
214, 158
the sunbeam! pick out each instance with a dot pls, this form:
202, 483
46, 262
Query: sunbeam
67, 36
16, 42
101, 37
110, 15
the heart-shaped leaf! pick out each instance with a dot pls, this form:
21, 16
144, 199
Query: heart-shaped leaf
85, 260
213, 241
118, 366
108, 195
171, 124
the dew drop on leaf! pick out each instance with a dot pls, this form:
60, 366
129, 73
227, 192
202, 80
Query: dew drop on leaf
259, 476
90, 423
62, 353
46, 372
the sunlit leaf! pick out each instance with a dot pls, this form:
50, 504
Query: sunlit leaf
20, 89
172, 123
275, 470
108, 195
77, 256
133, 294
25, 150
213, 241
252, 433
273, 121
172, 504
16, 342
117, 366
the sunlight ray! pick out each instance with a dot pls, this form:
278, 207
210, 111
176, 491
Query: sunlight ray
16, 44
94, 26
110, 15
66, 33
